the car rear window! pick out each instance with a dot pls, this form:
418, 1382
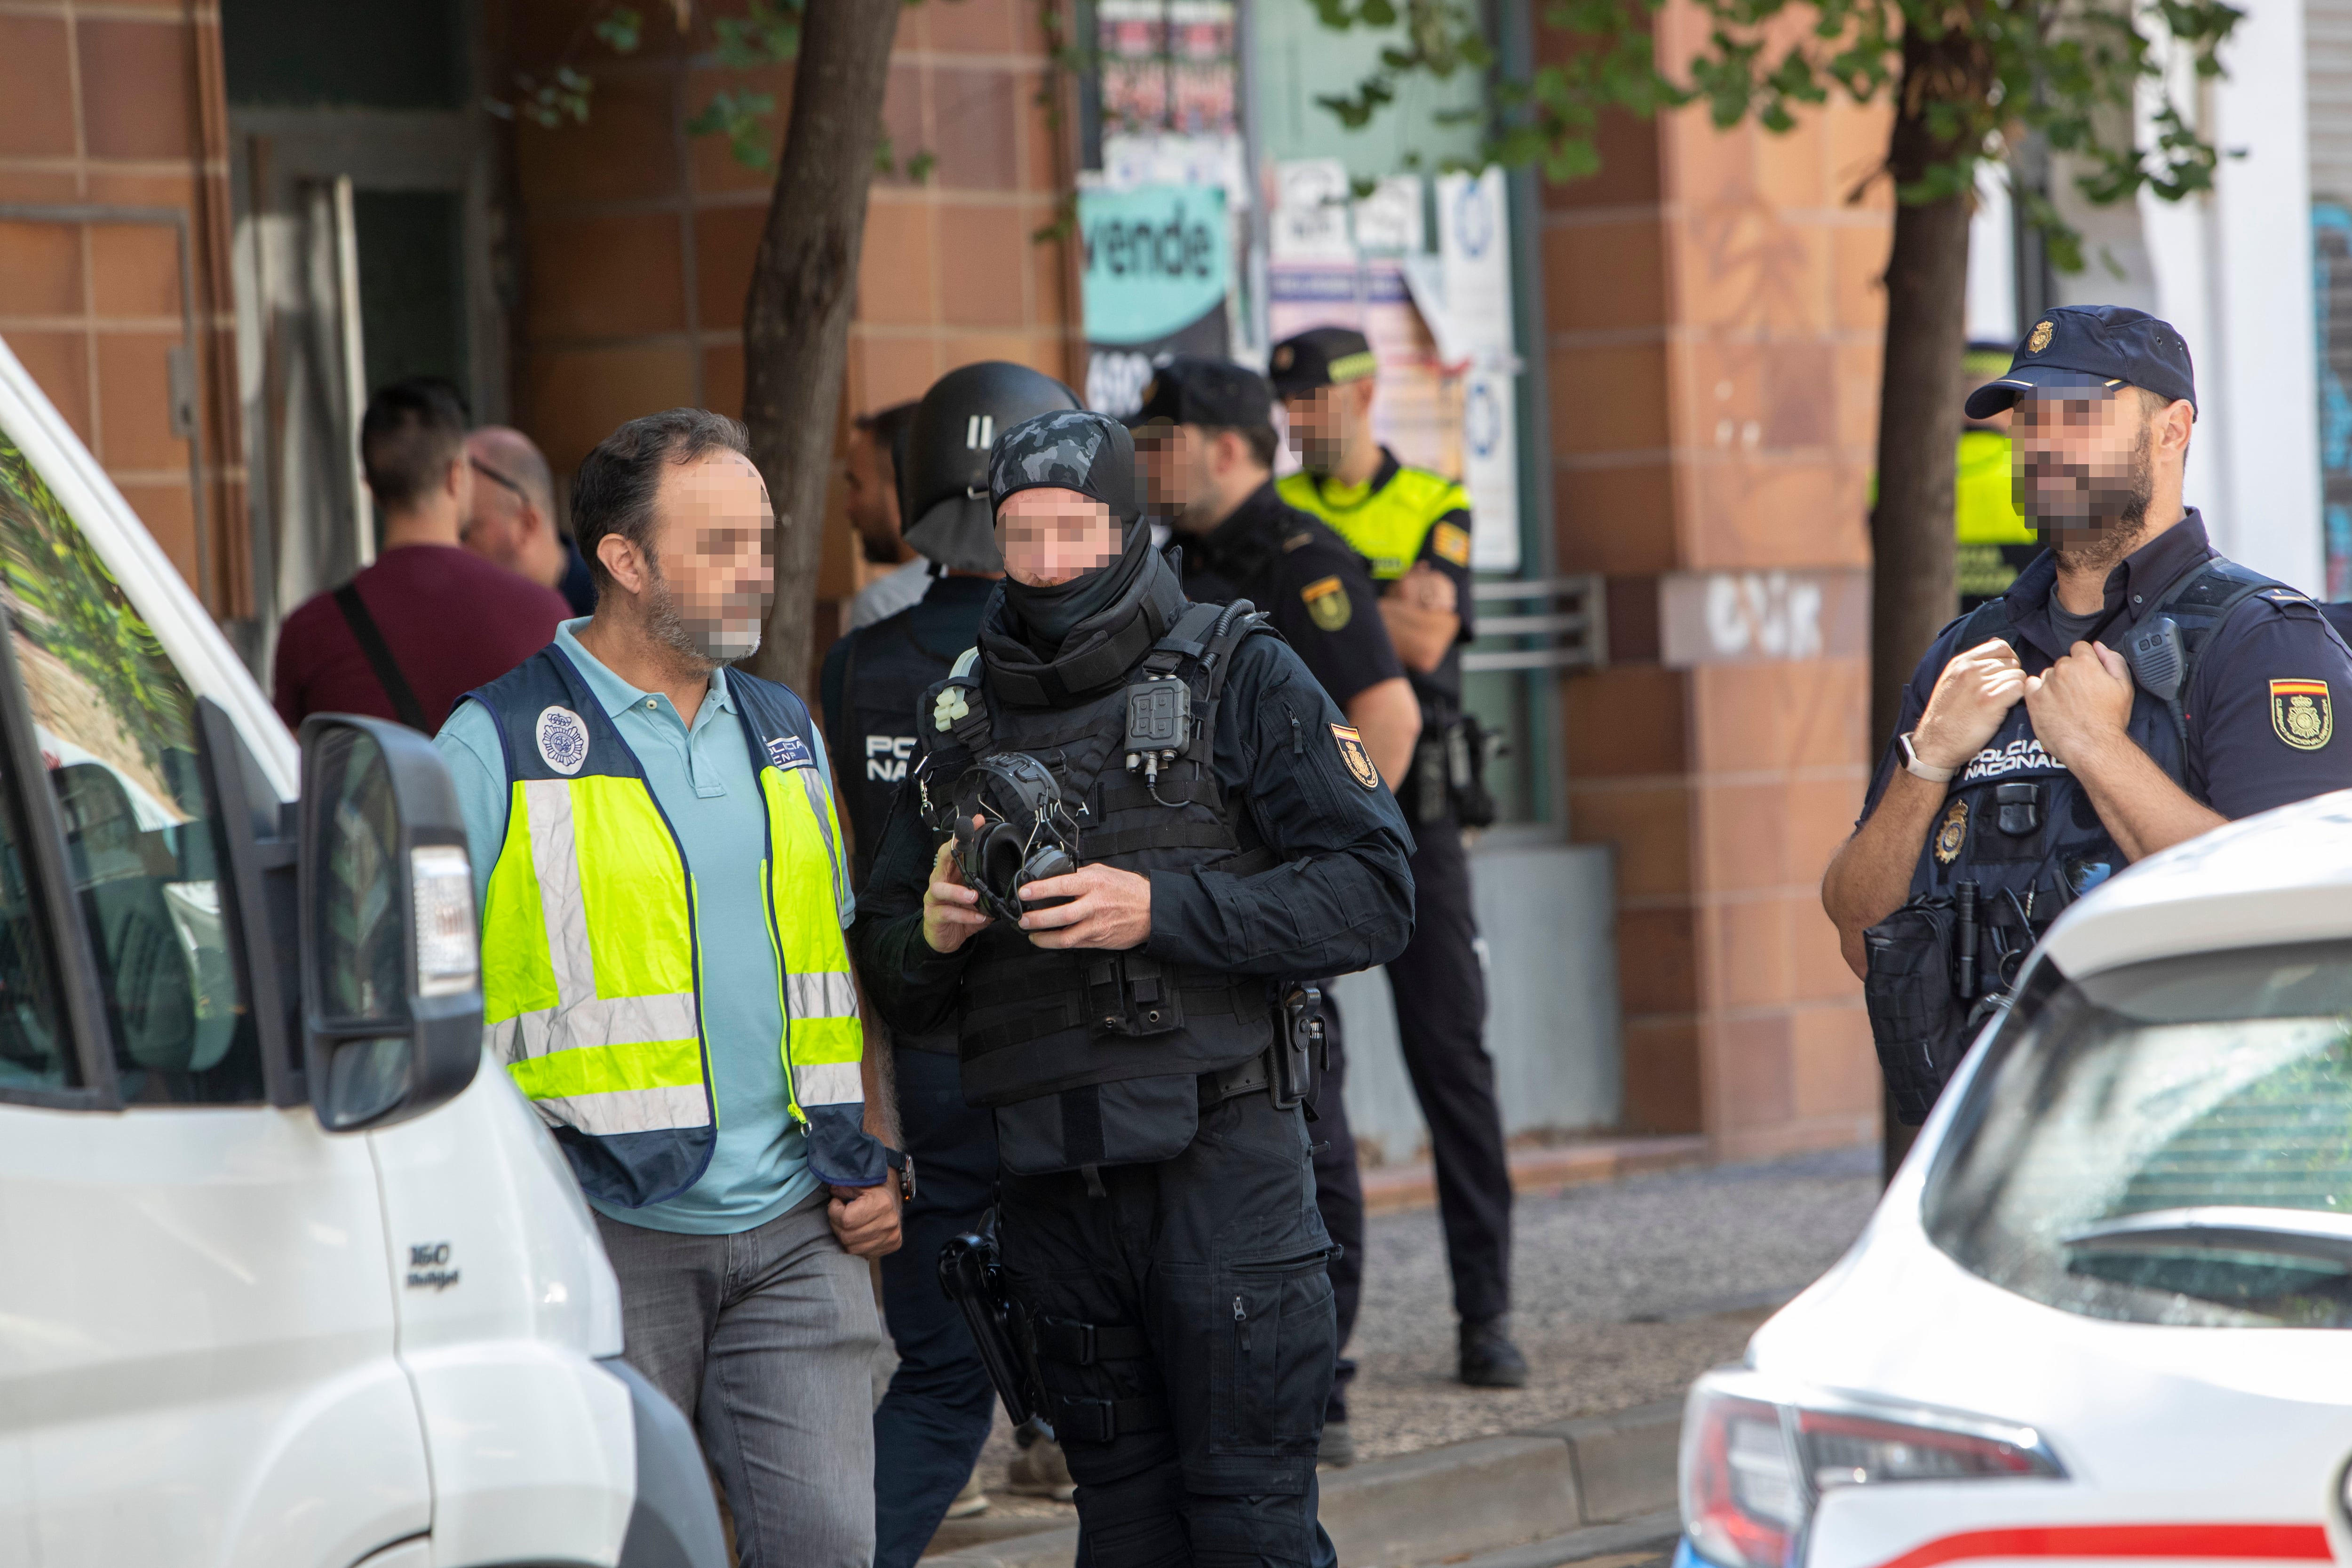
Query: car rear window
2168, 1143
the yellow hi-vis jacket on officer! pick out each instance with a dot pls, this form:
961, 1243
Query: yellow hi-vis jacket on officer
592, 969
1386, 525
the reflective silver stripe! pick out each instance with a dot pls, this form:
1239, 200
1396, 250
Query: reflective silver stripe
556, 861
828, 1083
628, 1021
813, 786
821, 995
629, 1110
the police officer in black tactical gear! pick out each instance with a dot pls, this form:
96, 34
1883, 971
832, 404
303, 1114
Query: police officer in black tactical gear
1133, 1023
1412, 529
1205, 437
930, 1427
2131, 691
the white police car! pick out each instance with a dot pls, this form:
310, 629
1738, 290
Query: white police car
2099, 1314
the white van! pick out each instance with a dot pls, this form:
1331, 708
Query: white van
287, 1278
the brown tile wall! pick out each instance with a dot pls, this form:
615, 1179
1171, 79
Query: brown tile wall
1714, 311
121, 106
639, 240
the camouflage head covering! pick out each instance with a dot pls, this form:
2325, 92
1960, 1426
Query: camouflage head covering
1070, 449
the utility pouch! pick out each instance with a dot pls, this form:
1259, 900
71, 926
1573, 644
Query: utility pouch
1916, 1019
973, 1277
1431, 790
1132, 994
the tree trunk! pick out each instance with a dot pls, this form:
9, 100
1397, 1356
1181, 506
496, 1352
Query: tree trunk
796, 318
1913, 591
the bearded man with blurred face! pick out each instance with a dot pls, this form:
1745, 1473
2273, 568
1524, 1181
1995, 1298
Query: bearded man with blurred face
1135, 827
2130, 690
663, 888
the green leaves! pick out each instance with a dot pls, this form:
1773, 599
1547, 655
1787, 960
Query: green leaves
741, 117
766, 35
621, 29
2069, 73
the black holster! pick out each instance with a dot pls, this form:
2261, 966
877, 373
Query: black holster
973, 1279
1938, 968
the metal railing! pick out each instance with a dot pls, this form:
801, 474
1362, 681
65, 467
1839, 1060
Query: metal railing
1567, 628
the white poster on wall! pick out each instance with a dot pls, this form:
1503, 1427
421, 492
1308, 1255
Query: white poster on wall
1310, 212
1474, 256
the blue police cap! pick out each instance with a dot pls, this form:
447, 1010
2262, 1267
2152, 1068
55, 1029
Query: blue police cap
2092, 345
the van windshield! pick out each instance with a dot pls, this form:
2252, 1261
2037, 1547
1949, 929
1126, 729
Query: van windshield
2170, 1142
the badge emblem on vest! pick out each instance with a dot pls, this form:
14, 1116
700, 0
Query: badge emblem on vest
1952, 834
2040, 339
1358, 761
1327, 602
563, 739
790, 752
2302, 714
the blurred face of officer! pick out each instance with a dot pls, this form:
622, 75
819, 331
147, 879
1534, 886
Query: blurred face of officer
2085, 462
1052, 536
1184, 472
1325, 423
714, 565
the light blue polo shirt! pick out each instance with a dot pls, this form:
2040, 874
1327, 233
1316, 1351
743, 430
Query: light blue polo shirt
703, 781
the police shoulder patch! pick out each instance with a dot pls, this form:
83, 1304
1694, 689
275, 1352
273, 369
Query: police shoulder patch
2301, 713
1327, 602
1358, 761
1451, 541
789, 752
562, 739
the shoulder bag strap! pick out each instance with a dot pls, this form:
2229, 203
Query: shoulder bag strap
379, 657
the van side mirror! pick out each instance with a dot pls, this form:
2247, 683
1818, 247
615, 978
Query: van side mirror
391, 992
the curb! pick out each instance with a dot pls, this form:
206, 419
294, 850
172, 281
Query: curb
1550, 1495
1389, 1189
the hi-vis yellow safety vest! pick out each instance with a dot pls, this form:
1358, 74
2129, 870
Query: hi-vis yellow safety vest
1387, 524
592, 972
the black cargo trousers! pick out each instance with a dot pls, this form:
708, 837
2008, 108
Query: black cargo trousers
1184, 1329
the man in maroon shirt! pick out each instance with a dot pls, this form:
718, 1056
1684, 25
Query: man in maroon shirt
430, 620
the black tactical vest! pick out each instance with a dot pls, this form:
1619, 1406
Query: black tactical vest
2016, 823
1093, 1057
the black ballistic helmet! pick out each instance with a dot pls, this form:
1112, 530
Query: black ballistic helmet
943, 471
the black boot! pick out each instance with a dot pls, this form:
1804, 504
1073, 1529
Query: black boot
1490, 1359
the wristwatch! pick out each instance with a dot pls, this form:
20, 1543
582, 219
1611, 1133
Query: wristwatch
1919, 770
904, 1163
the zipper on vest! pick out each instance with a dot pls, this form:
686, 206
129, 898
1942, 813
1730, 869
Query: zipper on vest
1297, 736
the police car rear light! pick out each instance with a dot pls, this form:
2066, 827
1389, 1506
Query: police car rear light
1843, 1450
1742, 1499
1758, 1455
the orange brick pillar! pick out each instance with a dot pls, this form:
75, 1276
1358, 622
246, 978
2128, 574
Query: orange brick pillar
1714, 308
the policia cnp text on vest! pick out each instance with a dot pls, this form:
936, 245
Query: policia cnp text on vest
1156, 1212
2131, 691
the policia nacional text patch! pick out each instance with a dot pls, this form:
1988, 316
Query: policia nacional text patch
1358, 761
2302, 714
1326, 601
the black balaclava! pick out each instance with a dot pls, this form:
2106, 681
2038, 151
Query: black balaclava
1071, 450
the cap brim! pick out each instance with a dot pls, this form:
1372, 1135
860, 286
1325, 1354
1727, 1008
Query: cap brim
1997, 396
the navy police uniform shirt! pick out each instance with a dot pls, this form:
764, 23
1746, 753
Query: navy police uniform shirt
2260, 703
1291, 565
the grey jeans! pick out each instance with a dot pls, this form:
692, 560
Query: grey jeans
765, 1340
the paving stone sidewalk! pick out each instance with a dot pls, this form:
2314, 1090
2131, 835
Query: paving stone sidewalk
1625, 1293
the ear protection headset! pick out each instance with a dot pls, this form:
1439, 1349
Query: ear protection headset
1024, 834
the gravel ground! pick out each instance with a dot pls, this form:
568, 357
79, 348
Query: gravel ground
1625, 1293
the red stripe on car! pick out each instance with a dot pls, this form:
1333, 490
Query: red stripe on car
2281, 1542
